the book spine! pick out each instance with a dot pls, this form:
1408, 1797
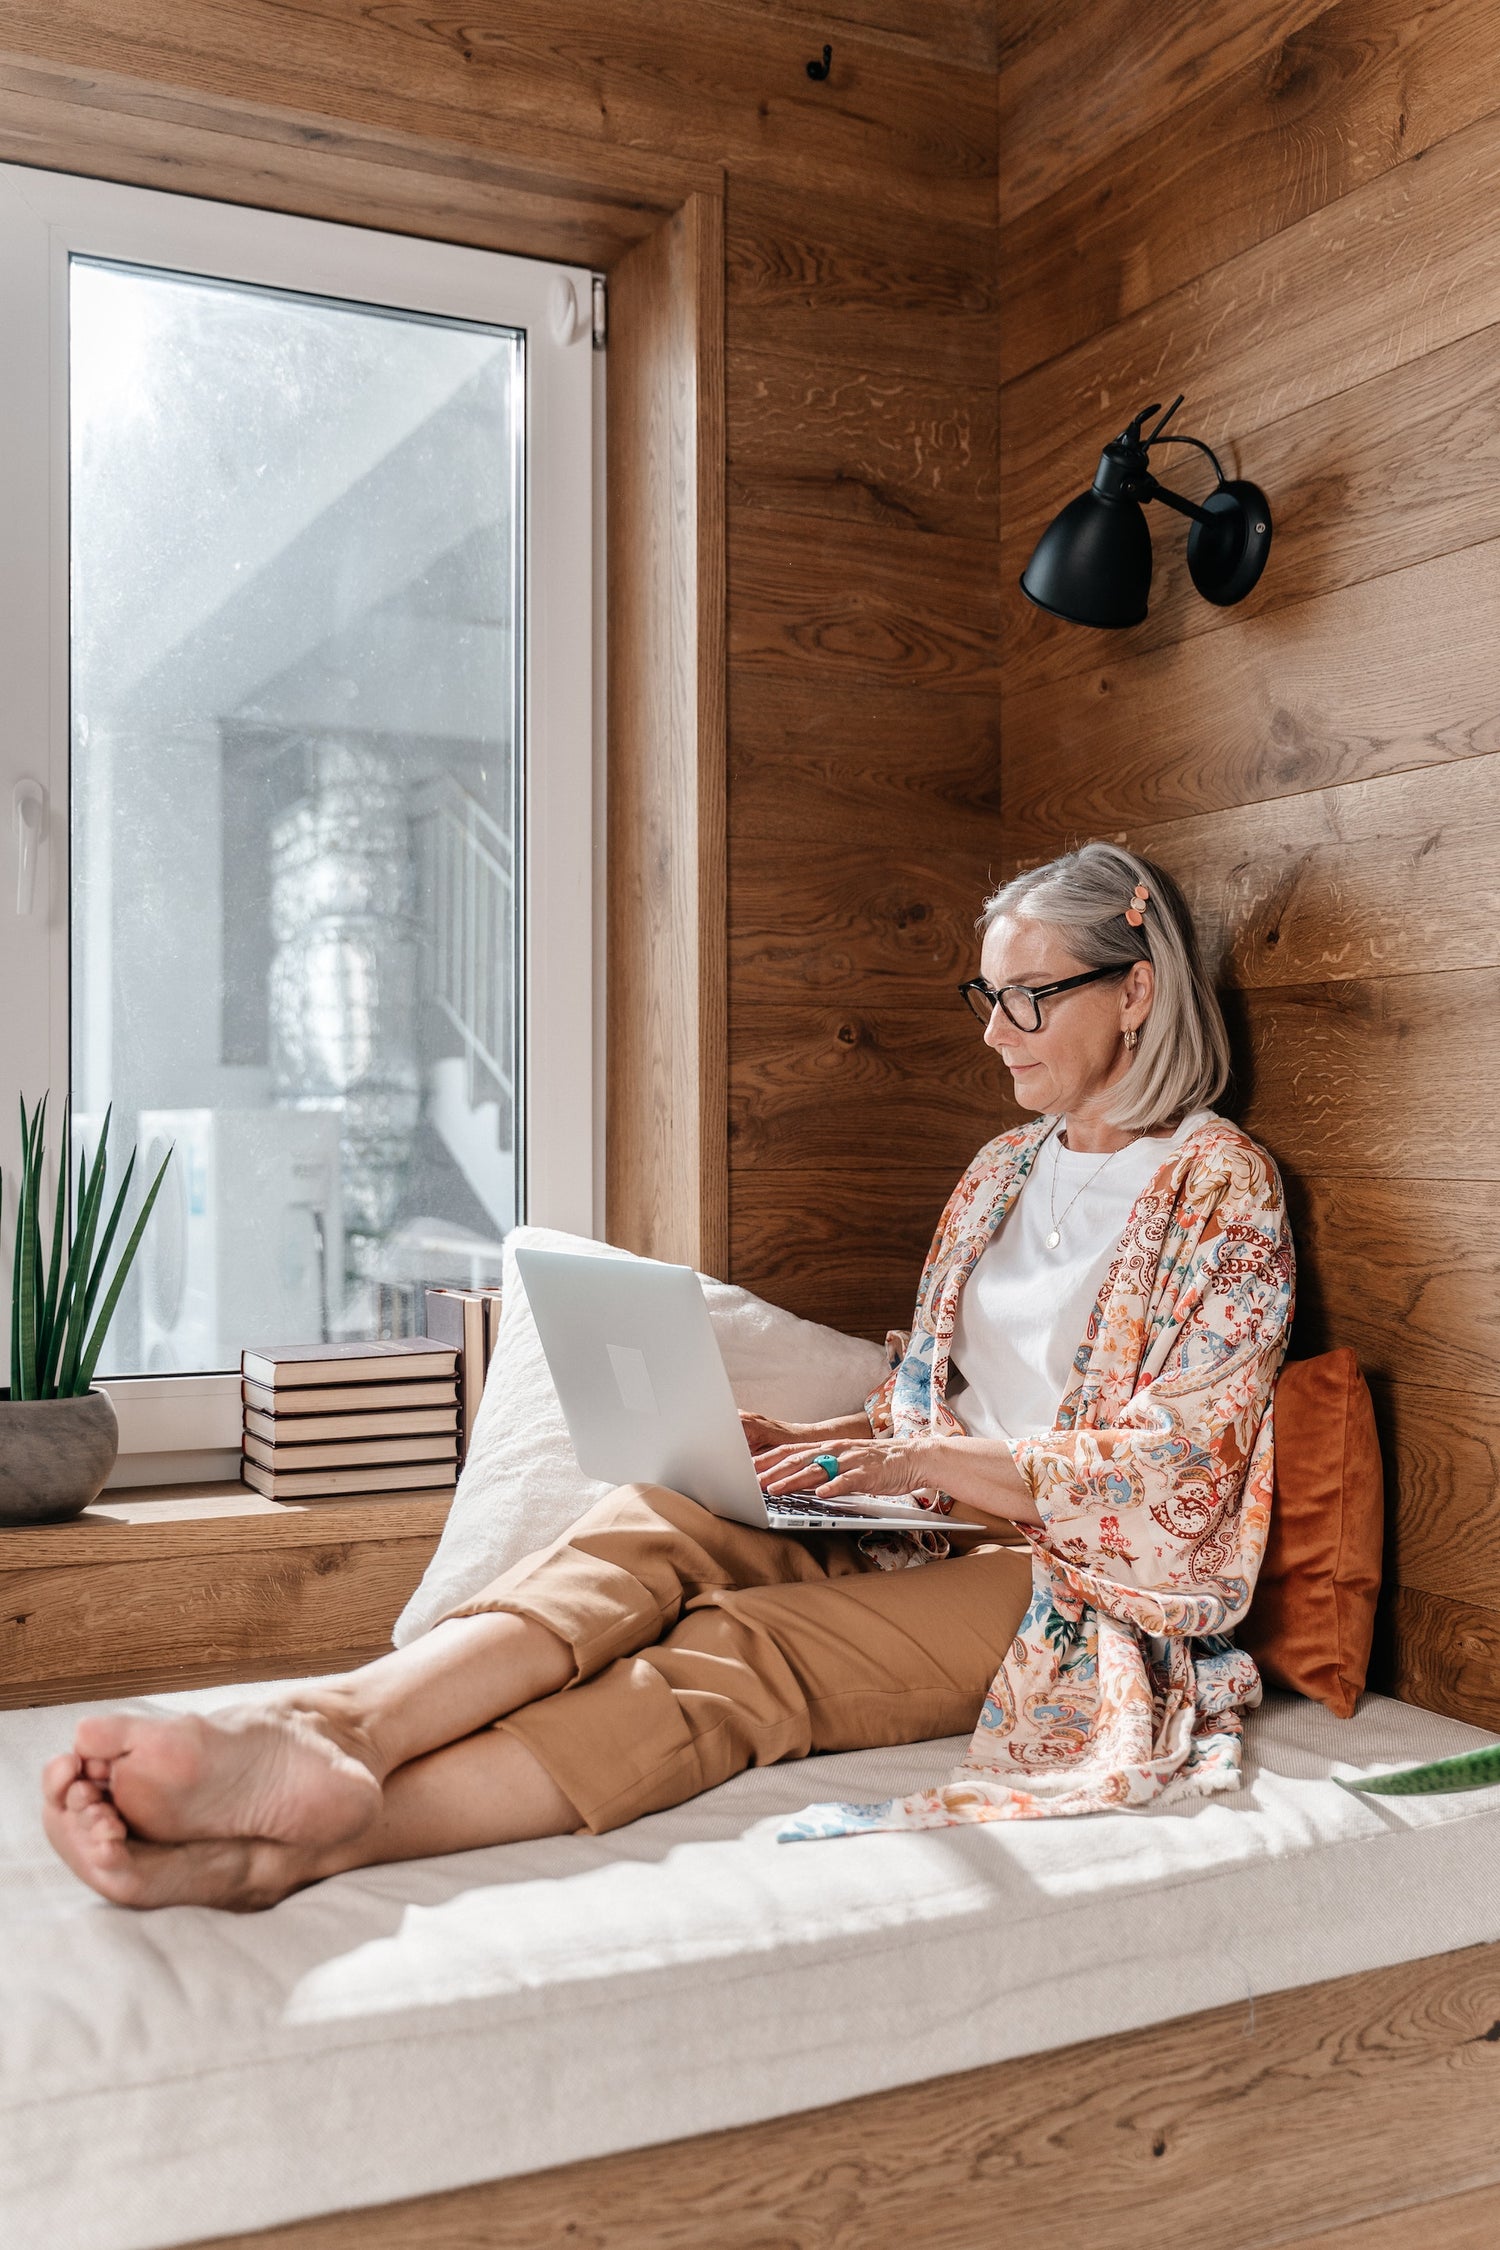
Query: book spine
348, 1484
371, 1453
457, 1316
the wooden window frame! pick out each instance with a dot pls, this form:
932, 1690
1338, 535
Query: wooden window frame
655, 228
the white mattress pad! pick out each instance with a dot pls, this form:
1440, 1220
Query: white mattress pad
173, 2076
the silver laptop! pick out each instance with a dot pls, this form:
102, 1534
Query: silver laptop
637, 1368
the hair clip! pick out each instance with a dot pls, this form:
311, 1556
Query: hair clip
1135, 912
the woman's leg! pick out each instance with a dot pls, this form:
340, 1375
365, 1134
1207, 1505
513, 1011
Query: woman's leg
745, 1677
308, 1770
751, 1675
486, 1789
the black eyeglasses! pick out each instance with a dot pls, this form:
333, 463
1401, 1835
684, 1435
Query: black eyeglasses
1021, 1004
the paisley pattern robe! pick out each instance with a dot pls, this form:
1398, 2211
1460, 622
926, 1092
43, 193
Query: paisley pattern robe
1122, 1686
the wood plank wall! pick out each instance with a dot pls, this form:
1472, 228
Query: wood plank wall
862, 480
1287, 210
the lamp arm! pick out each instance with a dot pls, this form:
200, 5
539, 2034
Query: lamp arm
1149, 489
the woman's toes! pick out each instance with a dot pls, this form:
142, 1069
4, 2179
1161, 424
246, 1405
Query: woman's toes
58, 1776
100, 1826
89, 1835
102, 1736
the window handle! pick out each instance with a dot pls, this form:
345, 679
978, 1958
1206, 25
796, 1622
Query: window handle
29, 811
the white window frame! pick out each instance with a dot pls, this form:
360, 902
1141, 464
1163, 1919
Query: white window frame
186, 1427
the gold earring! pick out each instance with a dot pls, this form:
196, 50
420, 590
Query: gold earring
1132, 1036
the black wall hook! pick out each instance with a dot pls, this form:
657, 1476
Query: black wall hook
819, 70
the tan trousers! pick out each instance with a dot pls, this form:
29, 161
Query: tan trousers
702, 1647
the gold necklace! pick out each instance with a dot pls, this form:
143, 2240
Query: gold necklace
1055, 1236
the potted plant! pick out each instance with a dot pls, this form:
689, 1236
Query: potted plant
58, 1435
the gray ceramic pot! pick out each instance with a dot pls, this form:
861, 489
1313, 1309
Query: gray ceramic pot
55, 1454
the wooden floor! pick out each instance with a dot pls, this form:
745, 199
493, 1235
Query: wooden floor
1358, 2114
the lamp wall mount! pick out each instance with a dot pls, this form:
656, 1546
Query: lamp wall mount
1092, 565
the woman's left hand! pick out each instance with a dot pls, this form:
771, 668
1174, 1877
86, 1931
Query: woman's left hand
868, 1467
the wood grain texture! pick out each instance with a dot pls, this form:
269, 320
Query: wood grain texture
839, 1243
1457, 2222
1268, 706
1359, 881
820, 1084
1317, 1064
160, 1594
1341, 2099
154, 1523
1432, 1318
824, 926
1077, 83
1342, 97
667, 1140
965, 31
872, 764
1441, 1653
859, 602
1442, 1449
712, 80
825, 1240
859, 284
808, 436
147, 134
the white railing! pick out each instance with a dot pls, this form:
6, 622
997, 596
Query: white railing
468, 886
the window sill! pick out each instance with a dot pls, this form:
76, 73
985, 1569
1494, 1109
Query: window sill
192, 1585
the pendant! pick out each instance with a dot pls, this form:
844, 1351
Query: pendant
1053, 1239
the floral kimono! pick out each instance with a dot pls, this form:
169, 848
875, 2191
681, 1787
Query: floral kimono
1122, 1686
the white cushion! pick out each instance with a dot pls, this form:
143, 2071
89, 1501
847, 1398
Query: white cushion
521, 1484
171, 2077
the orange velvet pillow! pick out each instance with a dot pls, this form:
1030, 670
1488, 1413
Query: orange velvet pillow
1313, 1616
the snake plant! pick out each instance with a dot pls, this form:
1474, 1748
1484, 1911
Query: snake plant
1470, 1769
60, 1308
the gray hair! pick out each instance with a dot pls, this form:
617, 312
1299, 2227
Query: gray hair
1182, 1062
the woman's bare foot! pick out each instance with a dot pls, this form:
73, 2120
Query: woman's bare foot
239, 1874
257, 1770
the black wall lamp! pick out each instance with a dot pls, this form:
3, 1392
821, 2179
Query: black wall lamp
1092, 564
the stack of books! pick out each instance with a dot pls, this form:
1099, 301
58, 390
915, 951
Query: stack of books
469, 1320
325, 1420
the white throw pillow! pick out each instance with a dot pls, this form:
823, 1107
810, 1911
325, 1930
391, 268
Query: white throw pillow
521, 1484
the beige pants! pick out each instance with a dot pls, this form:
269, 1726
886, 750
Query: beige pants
703, 1647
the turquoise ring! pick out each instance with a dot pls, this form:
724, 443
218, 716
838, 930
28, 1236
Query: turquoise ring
828, 1463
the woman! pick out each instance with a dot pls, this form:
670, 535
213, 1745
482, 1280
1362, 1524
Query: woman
1101, 1319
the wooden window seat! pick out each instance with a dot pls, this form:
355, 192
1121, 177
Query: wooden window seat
685, 2033
181, 1586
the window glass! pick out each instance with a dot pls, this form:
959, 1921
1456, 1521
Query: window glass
295, 543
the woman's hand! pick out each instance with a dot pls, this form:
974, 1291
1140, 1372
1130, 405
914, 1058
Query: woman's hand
976, 1473
762, 1435
868, 1466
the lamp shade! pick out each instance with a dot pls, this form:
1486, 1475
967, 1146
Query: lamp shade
1092, 564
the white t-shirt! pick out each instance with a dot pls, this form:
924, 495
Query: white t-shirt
1024, 1308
